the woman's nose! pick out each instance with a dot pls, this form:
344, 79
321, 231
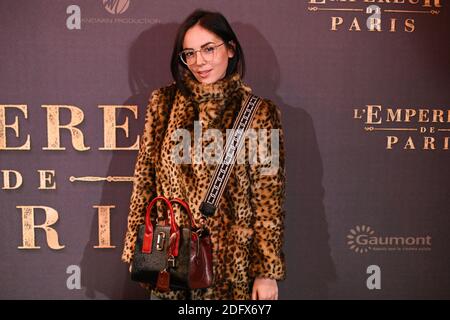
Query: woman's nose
197, 55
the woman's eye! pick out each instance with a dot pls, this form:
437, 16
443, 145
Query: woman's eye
188, 54
209, 49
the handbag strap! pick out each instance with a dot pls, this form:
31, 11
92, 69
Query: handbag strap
234, 143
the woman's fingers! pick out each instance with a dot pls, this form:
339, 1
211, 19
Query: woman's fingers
254, 293
265, 289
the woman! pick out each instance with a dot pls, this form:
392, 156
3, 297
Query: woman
247, 229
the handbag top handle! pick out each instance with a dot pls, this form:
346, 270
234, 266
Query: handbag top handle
188, 210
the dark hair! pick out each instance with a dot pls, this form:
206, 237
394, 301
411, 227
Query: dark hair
216, 23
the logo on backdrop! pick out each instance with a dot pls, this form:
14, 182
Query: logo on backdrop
75, 19
375, 15
362, 239
407, 128
116, 6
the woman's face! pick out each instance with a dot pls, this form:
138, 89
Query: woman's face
207, 71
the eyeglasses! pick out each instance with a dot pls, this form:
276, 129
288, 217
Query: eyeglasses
189, 56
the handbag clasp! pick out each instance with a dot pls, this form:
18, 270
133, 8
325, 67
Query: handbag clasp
160, 241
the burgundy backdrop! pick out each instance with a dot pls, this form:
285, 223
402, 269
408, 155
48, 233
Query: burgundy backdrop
364, 91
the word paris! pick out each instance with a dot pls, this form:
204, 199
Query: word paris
375, 13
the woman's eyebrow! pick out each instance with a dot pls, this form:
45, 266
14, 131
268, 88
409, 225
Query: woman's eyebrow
203, 45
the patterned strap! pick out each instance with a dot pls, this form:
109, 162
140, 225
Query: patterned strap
232, 147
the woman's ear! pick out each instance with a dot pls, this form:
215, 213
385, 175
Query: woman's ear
231, 49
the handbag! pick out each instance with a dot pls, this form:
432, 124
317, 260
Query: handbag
172, 259
169, 257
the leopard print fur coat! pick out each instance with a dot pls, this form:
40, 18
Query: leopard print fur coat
247, 228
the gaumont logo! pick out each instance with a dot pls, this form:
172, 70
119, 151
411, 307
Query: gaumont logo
116, 6
362, 239
375, 15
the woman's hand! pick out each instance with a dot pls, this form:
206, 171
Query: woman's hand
265, 289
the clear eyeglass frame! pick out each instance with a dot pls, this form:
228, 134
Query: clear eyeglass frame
207, 52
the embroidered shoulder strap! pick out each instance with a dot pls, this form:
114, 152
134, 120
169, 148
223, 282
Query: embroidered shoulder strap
232, 147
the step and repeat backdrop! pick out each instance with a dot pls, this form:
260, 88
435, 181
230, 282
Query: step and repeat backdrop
364, 91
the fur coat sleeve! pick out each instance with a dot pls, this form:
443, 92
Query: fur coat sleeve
144, 172
267, 196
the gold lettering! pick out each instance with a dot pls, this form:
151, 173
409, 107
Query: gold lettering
391, 116
47, 179
409, 113
428, 143
53, 127
28, 232
336, 21
436, 3
356, 114
423, 115
427, 3
393, 25
438, 114
391, 140
355, 25
381, 1
375, 24
14, 126
409, 25
7, 179
104, 235
409, 144
372, 114
110, 127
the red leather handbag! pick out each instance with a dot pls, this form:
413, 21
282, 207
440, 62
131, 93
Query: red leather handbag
170, 258
200, 267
